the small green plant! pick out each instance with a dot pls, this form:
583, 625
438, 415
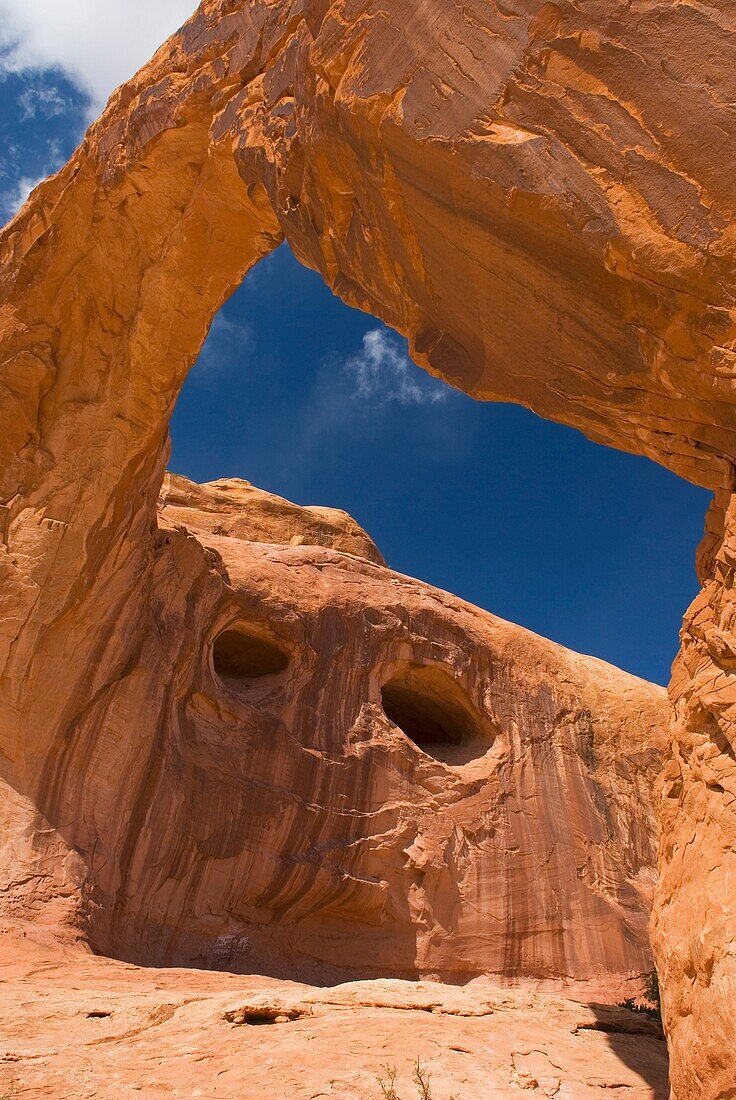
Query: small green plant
11, 1091
651, 991
651, 1004
420, 1077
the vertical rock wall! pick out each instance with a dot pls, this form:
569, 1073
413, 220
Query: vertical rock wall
694, 920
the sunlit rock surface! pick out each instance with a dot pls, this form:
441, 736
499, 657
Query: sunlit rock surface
539, 195
76, 1027
317, 768
237, 508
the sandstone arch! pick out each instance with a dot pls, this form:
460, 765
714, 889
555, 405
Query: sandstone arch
538, 194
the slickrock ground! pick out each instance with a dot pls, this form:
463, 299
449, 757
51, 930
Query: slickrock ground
73, 1027
541, 197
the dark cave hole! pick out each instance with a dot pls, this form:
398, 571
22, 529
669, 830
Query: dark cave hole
436, 714
258, 1017
243, 654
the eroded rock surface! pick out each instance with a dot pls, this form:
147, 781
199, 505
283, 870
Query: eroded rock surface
236, 508
539, 195
317, 768
694, 932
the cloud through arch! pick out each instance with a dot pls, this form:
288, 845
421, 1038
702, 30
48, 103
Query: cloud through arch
382, 370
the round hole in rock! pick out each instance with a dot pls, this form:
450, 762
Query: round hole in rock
244, 654
434, 712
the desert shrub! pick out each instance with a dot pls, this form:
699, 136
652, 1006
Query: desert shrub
387, 1085
651, 1004
420, 1076
651, 991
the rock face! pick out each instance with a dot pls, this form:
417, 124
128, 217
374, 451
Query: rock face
695, 918
238, 509
316, 768
539, 195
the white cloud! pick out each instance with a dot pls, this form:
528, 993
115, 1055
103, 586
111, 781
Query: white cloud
383, 371
227, 344
13, 197
98, 43
40, 98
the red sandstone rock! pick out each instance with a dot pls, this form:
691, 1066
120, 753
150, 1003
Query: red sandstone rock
316, 768
236, 508
539, 195
240, 799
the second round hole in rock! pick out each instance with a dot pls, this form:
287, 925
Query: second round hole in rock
431, 708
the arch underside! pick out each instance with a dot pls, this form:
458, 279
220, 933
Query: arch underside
539, 196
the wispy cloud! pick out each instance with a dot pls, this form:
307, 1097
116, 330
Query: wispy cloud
13, 198
383, 372
41, 98
228, 343
13, 195
97, 43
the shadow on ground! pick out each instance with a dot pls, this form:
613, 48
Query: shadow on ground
624, 1031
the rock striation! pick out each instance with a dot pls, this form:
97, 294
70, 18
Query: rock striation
316, 768
537, 194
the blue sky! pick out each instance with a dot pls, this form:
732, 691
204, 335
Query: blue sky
319, 403
41, 119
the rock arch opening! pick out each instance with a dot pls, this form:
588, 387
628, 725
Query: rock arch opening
434, 712
243, 653
277, 394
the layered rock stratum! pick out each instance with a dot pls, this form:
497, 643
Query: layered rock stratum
540, 196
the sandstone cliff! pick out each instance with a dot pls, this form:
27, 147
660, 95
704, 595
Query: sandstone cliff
316, 768
538, 195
